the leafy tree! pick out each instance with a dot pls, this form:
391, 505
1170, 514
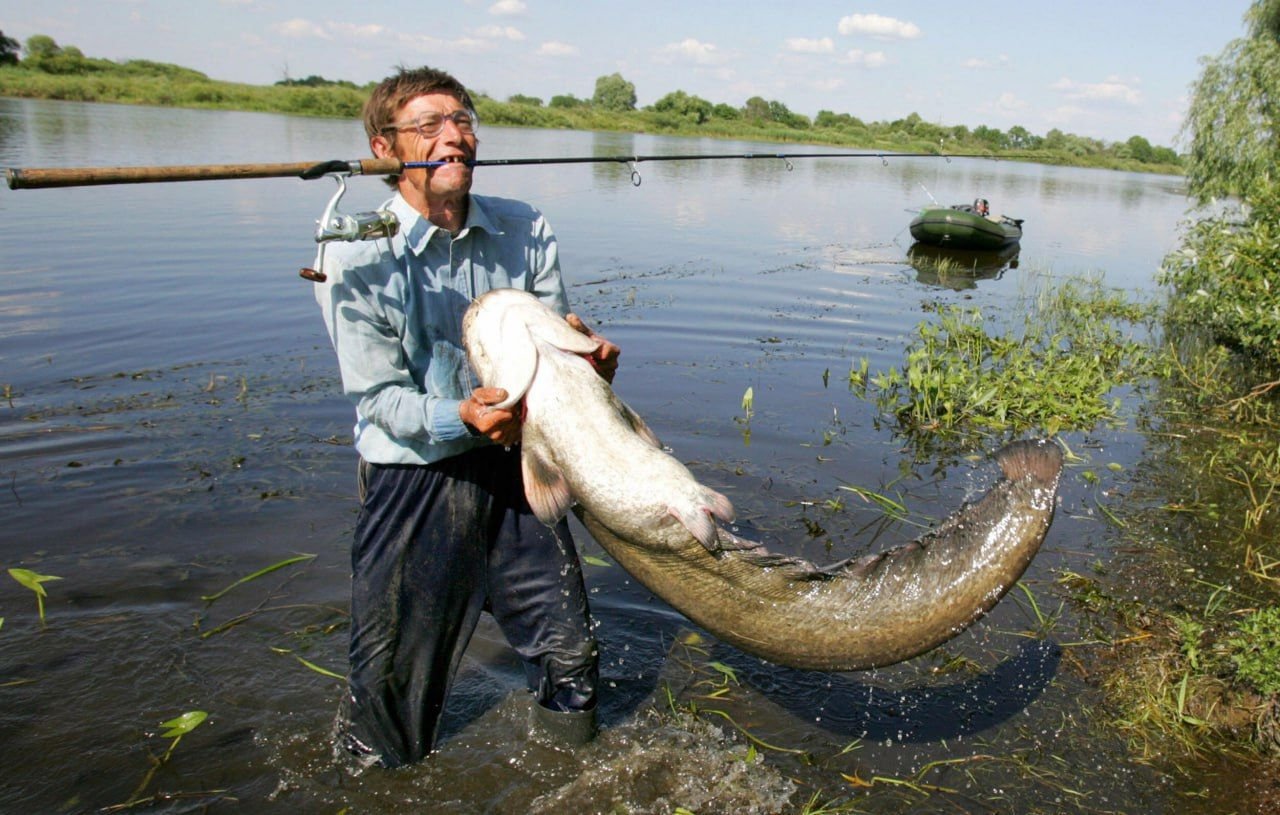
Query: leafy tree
1224, 277
693, 108
614, 93
566, 100
756, 109
990, 136
521, 99
9, 48
1022, 139
1140, 149
1234, 117
42, 46
727, 112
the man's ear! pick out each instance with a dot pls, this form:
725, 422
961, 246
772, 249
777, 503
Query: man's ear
380, 146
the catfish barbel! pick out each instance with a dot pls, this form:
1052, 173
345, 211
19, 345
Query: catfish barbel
582, 448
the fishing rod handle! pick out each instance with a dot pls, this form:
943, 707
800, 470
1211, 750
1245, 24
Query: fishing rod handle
47, 177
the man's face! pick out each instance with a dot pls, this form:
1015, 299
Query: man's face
451, 144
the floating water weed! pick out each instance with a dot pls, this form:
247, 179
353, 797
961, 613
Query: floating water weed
209, 598
35, 582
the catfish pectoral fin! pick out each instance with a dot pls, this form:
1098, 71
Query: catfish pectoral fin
545, 486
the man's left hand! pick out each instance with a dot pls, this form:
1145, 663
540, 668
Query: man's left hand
604, 358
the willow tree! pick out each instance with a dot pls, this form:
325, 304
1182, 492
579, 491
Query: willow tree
1226, 275
1234, 118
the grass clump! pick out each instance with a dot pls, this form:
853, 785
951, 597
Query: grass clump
1054, 370
1255, 650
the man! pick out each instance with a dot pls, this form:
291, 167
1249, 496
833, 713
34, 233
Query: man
444, 530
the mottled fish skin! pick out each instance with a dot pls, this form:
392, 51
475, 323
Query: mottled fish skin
583, 449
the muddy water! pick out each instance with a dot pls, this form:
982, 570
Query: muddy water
171, 423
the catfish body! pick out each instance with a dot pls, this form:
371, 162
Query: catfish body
584, 449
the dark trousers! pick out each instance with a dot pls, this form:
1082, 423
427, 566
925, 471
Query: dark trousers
434, 546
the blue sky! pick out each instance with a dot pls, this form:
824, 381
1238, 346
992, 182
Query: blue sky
1108, 70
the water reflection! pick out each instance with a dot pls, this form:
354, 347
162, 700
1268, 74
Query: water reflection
960, 269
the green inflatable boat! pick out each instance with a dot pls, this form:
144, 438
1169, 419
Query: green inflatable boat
965, 226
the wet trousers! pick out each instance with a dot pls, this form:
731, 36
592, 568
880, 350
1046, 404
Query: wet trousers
434, 546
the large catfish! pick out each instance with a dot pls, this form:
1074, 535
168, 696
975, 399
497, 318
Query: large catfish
583, 449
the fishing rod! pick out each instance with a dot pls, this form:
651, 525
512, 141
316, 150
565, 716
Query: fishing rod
334, 225
48, 177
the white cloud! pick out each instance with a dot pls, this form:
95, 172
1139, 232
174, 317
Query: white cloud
691, 50
364, 32
875, 25
298, 28
500, 32
1065, 115
1112, 89
800, 45
507, 8
556, 49
865, 59
986, 63
1009, 103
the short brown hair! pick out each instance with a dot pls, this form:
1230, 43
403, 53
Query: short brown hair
398, 89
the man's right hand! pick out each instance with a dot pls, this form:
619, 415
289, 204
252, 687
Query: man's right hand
501, 425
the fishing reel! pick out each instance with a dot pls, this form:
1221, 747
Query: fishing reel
340, 226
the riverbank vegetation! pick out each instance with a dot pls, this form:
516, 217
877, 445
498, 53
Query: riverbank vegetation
1187, 614
48, 70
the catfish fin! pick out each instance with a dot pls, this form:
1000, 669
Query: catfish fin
701, 520
637, 424
514, 368
545, 487
548, 326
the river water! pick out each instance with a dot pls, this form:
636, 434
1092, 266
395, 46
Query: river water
171, 422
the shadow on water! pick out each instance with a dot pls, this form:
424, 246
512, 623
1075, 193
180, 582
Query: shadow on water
854, 706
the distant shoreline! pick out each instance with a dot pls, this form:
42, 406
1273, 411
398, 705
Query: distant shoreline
189, 89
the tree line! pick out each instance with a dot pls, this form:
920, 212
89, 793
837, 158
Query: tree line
53, 71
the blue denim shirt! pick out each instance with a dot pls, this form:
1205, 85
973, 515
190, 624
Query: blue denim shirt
394, 307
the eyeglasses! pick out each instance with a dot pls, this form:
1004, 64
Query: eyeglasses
431, 123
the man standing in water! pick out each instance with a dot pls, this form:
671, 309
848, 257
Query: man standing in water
444, 530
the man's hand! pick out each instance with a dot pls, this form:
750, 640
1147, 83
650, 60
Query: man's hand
501, 425
604, 358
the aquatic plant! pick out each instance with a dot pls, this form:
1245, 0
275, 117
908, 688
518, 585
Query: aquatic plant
1255, 650
175, 729
1054, 371
35, 582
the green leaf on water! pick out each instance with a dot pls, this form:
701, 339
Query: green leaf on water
592, 560
729, 673
319, 670
33, 581
209, 598
184, 724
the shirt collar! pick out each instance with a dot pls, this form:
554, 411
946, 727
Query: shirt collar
418, 231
